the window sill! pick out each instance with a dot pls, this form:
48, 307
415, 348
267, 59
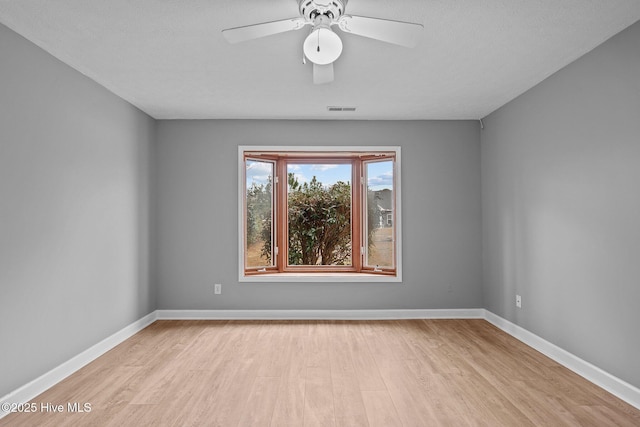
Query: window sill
319, 277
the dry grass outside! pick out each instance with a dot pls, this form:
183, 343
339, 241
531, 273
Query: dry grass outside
254, 256
380, 253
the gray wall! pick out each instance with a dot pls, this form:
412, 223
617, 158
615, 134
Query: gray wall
561, 208
74, 207
197, 215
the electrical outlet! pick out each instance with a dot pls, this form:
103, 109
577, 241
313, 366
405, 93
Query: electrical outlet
518, 301
217, 289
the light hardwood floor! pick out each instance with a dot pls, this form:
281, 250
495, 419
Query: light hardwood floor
327, 373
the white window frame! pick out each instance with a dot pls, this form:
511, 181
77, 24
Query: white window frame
319, 277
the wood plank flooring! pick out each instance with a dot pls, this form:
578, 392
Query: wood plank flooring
326, 373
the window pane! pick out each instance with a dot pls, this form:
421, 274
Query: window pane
259, 213
380, 218
319, 214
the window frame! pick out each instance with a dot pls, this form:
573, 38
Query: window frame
282, 209
274, 225
365, 251
284, 155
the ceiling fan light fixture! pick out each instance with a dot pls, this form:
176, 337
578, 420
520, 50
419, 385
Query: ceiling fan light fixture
322, 46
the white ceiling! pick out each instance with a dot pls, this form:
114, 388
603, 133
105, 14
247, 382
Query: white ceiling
168, 57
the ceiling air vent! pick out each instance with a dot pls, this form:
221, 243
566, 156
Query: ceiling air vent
341, 108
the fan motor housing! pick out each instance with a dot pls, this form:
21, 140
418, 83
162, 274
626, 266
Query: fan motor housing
310, 9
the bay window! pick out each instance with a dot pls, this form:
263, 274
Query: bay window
319, 213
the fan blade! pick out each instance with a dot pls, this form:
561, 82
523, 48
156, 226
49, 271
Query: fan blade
249, 32
396, 32
322, 73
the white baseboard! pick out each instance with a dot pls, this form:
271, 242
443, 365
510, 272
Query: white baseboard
44, 382
470, 313
613, 385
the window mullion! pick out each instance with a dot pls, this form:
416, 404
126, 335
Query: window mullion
281, 214
356, 215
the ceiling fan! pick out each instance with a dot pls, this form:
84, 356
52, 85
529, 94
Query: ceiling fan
323, 46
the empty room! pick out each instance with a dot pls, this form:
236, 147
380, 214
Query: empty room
320, 213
